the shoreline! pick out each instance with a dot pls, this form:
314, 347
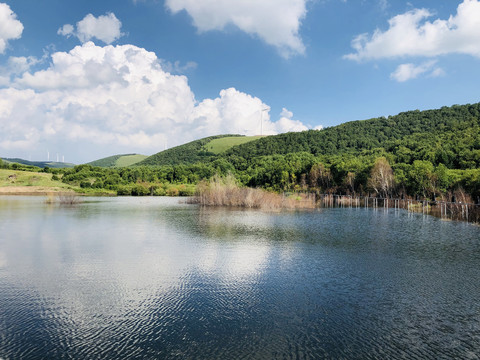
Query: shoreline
33, 190
44, 191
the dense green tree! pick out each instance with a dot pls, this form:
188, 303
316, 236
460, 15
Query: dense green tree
422, 177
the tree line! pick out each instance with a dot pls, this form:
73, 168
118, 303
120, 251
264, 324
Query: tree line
375, 174
427, 154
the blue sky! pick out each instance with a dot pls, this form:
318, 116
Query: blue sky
88, 79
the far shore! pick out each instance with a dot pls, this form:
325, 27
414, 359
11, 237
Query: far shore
34, 190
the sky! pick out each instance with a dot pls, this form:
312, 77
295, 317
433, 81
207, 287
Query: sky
82, 80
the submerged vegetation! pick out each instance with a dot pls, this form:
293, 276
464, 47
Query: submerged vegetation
63, 199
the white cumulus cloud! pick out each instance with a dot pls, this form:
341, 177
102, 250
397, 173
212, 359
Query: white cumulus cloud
10, 27
287, 124
410, 34
96, 101
277, 22
405, 72
106, 28
66, 30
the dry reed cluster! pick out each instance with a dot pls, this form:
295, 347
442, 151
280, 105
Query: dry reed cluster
226, 192
63, 199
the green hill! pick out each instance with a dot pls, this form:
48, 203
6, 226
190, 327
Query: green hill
40, 164
450, 135
201, 150
118, 160
433, 153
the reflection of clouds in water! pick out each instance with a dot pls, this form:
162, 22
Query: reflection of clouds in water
237, 262
3, 260
247, 260
240, 242
109, 267
107, 262
240, 219
114, 279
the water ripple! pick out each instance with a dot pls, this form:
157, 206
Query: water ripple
148, 280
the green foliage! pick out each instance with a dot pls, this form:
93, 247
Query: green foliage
421, 177
449, 135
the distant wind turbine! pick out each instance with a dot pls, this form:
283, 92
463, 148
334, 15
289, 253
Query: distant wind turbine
261, 119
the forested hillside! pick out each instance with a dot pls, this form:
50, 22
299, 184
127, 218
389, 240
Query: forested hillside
450, 135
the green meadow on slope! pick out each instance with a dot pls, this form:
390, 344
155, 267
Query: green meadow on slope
218, 146
118, 160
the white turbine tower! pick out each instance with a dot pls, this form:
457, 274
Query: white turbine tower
261, 119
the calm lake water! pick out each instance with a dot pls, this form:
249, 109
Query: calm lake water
149, 278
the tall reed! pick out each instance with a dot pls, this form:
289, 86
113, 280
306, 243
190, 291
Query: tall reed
226, 192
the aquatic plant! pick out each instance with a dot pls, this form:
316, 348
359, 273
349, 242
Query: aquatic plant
225, 191
69, 198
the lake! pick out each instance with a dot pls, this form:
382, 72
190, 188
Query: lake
152, 278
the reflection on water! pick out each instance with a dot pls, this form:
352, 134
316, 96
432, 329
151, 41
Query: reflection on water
152, 278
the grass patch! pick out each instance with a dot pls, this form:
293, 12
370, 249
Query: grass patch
218, 146
32, 183
14, 178
128, 160
118, 160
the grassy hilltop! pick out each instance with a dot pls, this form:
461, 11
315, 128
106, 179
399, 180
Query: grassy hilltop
118, 160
